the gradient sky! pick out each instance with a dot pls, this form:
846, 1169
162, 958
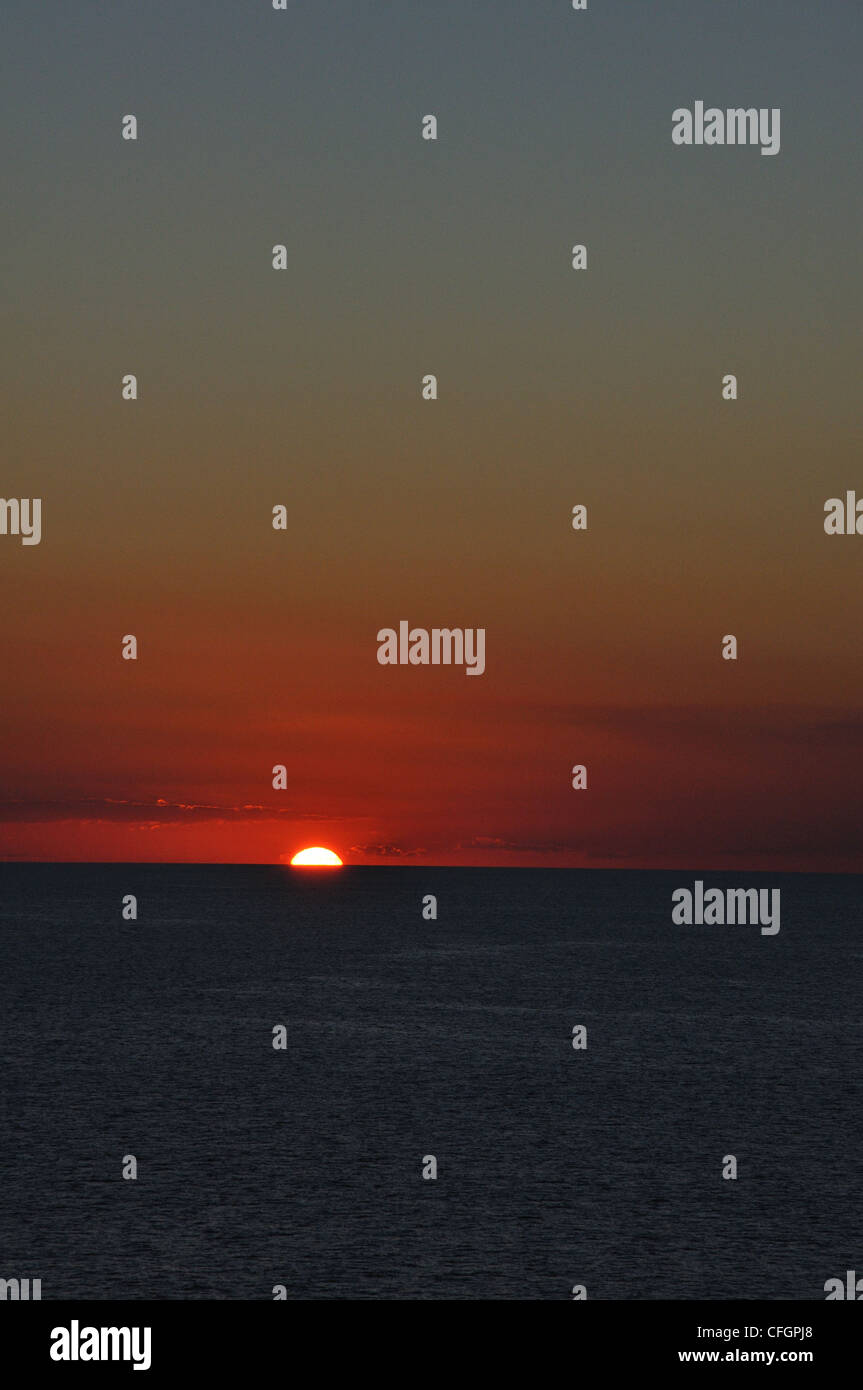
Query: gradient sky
258, 647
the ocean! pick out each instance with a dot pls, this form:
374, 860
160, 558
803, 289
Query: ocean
409, 1039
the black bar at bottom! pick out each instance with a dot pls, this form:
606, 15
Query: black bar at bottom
170, 1339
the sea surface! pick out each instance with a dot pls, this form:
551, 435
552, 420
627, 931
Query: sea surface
409, 1038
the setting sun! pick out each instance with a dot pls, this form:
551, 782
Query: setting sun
316, 857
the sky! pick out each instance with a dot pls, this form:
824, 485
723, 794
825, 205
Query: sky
302, 388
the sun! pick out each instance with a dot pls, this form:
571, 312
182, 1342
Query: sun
316, 857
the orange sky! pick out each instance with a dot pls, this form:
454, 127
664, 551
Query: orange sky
303, 388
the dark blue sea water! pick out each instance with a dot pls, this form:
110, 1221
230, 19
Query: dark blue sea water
408, 1038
